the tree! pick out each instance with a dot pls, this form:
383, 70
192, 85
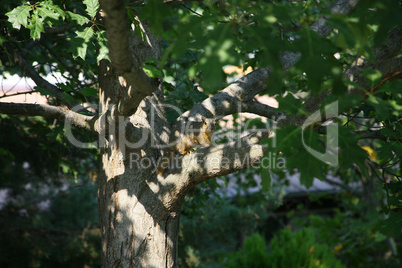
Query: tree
342, 57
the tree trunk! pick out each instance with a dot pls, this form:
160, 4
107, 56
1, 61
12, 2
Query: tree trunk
138, 230
140, 210
139, 215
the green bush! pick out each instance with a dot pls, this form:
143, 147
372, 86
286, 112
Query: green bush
298, 249
253, 254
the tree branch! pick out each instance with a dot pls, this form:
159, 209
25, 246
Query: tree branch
39, 81
376, 134
57, 112
341, 185
118, 31
64, 28
258, 108
391, 68
213, 161
229, 100
392, 46
226, 101
15, 94
338, 7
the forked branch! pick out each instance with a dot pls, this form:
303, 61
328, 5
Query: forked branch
138, 83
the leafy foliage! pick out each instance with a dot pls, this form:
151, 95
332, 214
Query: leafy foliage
354, 234
253, 254
199, 39
216, 216
46, 218
34, 17
304, 248
64, 235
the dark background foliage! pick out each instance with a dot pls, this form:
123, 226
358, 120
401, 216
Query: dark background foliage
48, 214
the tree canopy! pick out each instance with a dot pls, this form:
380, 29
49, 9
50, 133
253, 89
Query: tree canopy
334, 68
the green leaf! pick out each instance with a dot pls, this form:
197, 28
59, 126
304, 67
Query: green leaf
152, 70
81, 41
67, 97
92, 7
19, 16
385, 150
89, 91
393, 225
218, 53
290, 104
374, 76
395, 186
103, 52
387, 17
380, 106
77, 18
379, 237
290, 145
36, 26
350, 152
86, 34
265, 178
339, 87
317, 59
44, 12
65, 87
309, 165
345, 38
155, 12
44, 91
55, 8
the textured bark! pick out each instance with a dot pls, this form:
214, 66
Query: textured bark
124, 63
139, 223
61, 113
139, 218
139, 209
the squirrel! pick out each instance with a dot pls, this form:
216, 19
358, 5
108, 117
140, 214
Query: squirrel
195, 133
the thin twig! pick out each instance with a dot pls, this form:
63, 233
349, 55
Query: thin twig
383, 181
17, 94
196, 13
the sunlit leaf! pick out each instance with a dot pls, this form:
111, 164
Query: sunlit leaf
48, 4
92, 7
19, 15
152, 70
36, 25
77, 18
44, 12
